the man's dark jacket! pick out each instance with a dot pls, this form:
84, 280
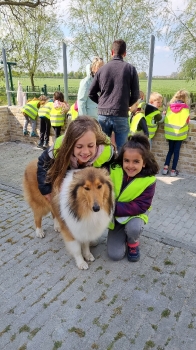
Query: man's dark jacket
115, 88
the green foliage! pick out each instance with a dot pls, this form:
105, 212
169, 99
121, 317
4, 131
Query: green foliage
180, 34
35, 40
93, 29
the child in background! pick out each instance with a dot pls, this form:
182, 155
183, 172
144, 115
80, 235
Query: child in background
44, 115
137, 118
133, 175
58, 112
73, 111
84, 144
85, 105
142, 96
153, 113
176, 128
30, 112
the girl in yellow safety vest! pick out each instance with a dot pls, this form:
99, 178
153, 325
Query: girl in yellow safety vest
84, 144
30, 112
58, 112
133, 175
176, 128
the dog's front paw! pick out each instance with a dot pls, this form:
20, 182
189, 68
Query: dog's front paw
40, 233
56, 225
89, 257
83, 265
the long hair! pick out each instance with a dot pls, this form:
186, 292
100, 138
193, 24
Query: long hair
75, 130
140, 143
181, 95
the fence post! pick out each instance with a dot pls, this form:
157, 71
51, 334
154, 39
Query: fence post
149, 84
65, 71
6, 77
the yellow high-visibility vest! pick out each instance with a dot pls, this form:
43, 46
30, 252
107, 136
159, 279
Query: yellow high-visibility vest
175, 125
44, 111
151, 124
57, 118
31, 109
134, 189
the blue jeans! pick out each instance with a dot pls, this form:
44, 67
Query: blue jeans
174, 148
119, 125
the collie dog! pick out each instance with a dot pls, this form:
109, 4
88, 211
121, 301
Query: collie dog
82, 209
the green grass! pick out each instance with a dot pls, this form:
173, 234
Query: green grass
161, 86
164, 87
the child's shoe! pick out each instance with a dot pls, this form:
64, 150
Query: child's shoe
133, 252
25, 132
40, 145
165, 171
174, 173
33, 134
45, 145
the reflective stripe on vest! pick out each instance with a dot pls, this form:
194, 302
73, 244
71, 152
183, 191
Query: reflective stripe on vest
104, 157
31, 109
133, 190
175, 125
152, 126
134, 122
57, 118
45, 110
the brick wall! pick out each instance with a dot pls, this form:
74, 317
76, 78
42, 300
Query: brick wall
187, 157
11, 121
4, 125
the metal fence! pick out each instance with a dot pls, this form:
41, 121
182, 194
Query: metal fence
49, 91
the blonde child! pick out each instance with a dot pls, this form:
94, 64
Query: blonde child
58, 112
84, 144
30, 112
176, 128
133, 175
153, 113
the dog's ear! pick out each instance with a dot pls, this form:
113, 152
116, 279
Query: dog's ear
105, 171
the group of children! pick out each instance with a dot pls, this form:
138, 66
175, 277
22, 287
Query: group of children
52, 112
132, 171
146, 117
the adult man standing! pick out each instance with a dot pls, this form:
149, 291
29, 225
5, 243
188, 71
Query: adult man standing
115, 88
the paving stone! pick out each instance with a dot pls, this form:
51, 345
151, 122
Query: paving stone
47, 303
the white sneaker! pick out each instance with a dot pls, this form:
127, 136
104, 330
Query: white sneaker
174, 173
165, 171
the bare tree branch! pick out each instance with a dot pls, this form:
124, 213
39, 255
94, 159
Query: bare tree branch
32, 4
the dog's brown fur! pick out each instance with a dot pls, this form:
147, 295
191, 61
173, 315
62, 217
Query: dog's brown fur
89, 187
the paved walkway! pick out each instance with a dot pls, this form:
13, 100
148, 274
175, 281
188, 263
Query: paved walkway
48, 304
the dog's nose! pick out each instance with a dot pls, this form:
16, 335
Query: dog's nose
96, 207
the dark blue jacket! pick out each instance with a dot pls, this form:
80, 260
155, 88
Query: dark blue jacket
115, 88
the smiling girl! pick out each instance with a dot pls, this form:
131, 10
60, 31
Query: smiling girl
84, 144
133, 175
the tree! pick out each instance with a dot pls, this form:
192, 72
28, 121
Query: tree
142, 75
30, 3
180, 34
34, 41
94, 25
189, 68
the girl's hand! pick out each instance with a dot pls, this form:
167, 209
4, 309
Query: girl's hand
48, 197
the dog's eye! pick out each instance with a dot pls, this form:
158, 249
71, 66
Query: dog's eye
99, 186
87, 188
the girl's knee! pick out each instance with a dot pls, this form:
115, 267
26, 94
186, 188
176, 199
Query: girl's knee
116, 254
